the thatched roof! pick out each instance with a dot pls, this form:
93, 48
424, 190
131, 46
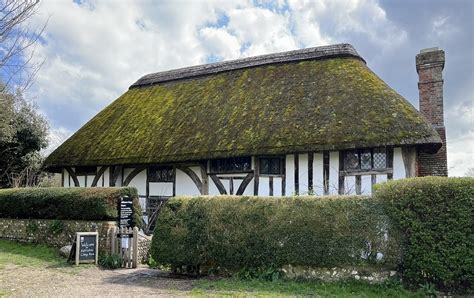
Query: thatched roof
307, 100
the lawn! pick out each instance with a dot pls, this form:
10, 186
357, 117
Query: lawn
23, 254
235, 287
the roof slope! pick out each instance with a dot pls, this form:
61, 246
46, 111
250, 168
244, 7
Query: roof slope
309, 104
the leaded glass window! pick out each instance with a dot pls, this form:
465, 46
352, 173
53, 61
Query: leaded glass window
83, 171
380, 158
160, 174
351, 160
365, 159
231, 165
271, 166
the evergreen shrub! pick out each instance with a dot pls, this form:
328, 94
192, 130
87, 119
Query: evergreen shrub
61, 203
435, 218
232, 234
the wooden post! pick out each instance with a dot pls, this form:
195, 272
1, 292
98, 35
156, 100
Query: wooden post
113, 240
129, 249
135, 248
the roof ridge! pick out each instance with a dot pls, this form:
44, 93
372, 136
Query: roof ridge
322, 52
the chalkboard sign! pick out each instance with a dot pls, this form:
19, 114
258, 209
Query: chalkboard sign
85, 247
126, 212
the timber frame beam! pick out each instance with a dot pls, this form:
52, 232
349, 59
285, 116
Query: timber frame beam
132, 175
73, 176
193, 177
98, 175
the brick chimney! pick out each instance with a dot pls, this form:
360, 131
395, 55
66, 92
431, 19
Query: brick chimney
429, 65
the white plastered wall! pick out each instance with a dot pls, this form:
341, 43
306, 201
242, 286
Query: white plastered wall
303, 174
334, 172
185, 185
318, 178
290, 174
398, 166
139, 181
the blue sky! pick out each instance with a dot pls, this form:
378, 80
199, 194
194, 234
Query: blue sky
94, 51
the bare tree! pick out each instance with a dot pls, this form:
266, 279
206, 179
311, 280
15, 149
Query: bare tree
17, 43
469, 172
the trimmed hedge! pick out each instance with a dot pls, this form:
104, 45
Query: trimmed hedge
235, 233
435, 218
61, 203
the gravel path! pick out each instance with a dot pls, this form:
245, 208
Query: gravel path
89, 281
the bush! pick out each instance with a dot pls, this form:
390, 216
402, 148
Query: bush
248, 233
66, 203
434, 216
110, 261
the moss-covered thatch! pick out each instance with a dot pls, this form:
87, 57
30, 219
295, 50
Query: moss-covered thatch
310, 105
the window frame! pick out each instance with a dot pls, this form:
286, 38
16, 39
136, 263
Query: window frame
282, 166
85, 171
388, 162
212, 170
161, 168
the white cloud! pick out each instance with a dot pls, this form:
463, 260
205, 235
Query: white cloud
461, 154
220, 42
442, 28
341, 19
55, 138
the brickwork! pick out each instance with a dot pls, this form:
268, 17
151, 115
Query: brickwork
429, 65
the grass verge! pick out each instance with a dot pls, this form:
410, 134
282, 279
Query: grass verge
26, 254
352, 288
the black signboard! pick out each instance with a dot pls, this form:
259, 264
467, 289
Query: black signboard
85, 248
126, 212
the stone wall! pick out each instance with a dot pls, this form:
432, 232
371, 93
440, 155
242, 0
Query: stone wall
56, 233
372, 275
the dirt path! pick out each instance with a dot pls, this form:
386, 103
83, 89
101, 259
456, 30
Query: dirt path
91, 281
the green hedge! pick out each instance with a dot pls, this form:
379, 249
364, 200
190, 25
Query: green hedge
235, 233
435, 217
66, 203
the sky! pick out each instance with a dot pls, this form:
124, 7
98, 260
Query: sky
94, 50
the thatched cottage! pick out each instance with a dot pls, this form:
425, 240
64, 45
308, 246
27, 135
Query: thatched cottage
311, 121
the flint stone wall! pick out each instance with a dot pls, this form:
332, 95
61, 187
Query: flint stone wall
55, 233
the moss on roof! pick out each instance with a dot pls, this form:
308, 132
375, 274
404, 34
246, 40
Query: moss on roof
311, 105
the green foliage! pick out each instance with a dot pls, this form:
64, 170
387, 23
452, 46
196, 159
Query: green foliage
151, 262
23, 133
233, 287
32, 227
28, 255
243, 233
110, 261
277, 109
435, 217
56, 227
67, 203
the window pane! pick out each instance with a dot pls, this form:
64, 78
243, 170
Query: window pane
82, 171
380, 158
233, 164
271, 166
264, 166
275, 166
351, 160
160, 174
365, 160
